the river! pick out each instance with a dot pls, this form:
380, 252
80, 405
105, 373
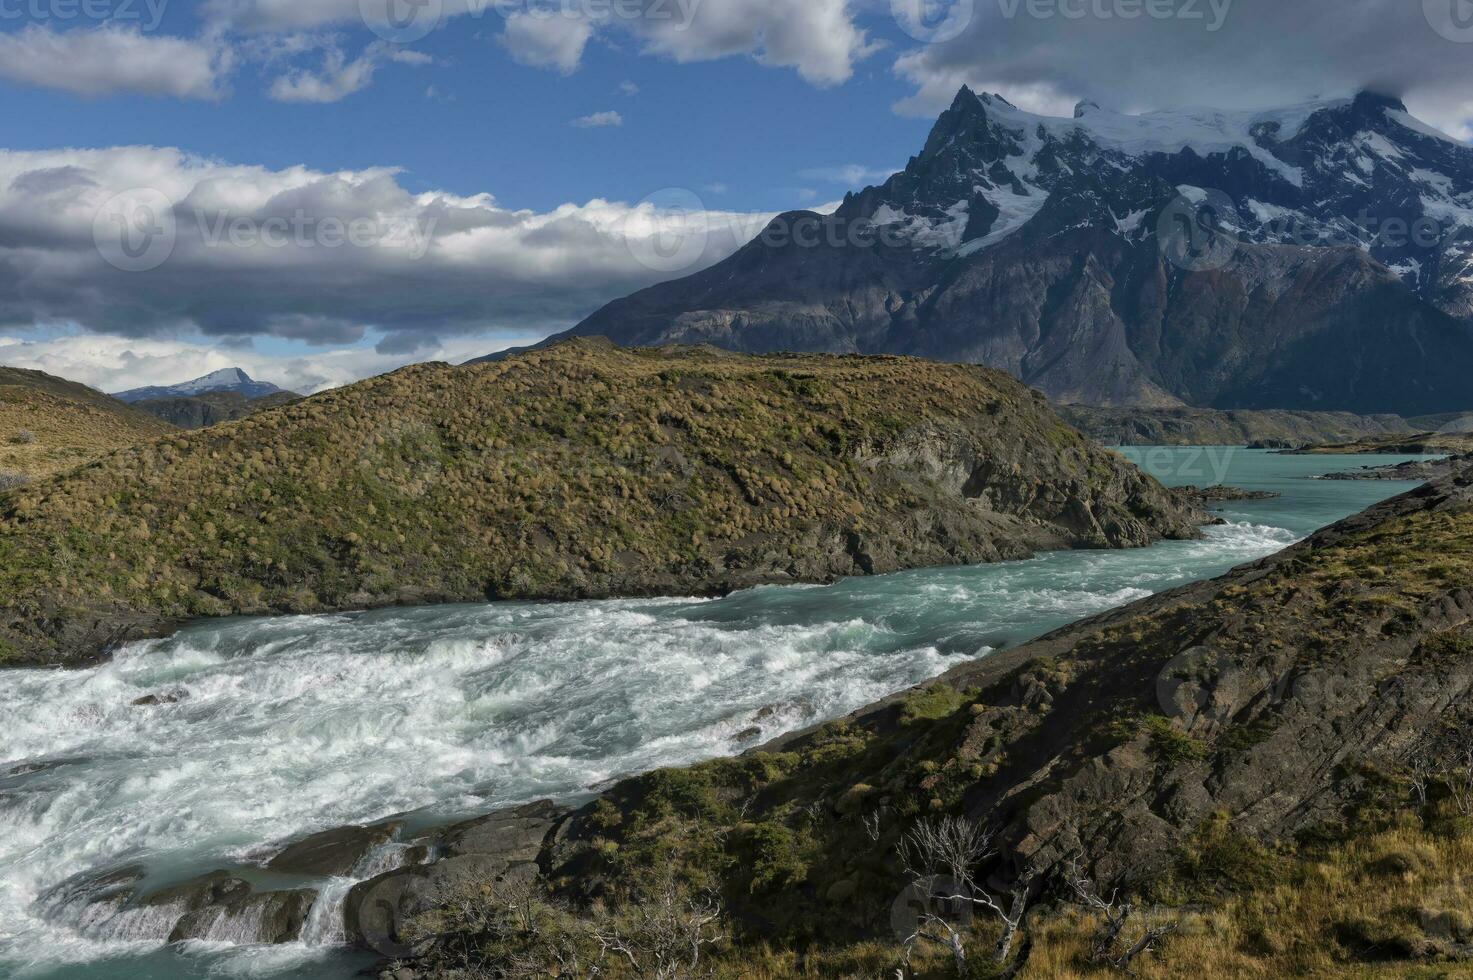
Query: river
270, 729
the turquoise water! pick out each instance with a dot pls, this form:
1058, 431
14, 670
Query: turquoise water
286, 726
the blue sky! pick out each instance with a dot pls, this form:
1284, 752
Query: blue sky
476, 121
505, 159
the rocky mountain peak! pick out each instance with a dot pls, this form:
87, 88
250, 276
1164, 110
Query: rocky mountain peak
1342, 260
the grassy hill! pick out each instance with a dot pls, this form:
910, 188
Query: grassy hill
580, 470
48, 424
1274, 770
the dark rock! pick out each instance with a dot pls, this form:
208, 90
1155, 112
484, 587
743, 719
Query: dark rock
1220, 493
220, 906
333, 853
499, 847
153, 700
266, 917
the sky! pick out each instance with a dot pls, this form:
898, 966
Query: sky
321, 190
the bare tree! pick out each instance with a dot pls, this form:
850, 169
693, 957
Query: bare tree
1422, 768
1108, 945
1460, 770
941, 858
511, 930
664, 935
872, 826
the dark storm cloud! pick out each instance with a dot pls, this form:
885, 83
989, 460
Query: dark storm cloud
1142, 54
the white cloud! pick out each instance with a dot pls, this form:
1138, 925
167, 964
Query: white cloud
819, 38
598, 120
279, 16
319, 257
339, 78
121, 363
850, 174
547, 41
109, 60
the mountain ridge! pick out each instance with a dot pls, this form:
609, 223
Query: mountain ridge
1251, 260
231, 380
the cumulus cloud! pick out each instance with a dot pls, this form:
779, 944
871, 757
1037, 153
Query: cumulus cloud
818, 38
149, 242
598, 120
338, 77
113, 59
821, 39
547, 41
1222, 53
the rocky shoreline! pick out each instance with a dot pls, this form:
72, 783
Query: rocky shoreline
1206, 693
1265, 730
1424, 470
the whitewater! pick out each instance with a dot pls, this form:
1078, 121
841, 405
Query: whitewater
216, 747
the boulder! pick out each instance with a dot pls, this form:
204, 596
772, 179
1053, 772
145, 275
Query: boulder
499, 847
333, 853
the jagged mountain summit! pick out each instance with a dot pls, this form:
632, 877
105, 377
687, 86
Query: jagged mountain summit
1318, 256
232, 380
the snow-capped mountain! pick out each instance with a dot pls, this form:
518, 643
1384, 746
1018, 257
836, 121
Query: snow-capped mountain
232, 380
1313, 256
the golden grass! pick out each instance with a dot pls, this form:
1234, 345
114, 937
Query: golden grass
1394, 885
67, 433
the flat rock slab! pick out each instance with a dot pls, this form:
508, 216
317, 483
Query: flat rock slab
333, 853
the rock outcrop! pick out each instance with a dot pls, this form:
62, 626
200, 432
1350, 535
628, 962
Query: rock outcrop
495, 849
1208, 427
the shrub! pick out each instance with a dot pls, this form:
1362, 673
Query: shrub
776, 858
930, 703
24, 437
9, 481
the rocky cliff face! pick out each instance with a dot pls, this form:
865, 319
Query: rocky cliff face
1206, 427
1313, 257
203, 411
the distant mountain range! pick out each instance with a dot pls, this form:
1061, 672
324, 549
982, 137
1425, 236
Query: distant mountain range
231, 380
1315, 257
